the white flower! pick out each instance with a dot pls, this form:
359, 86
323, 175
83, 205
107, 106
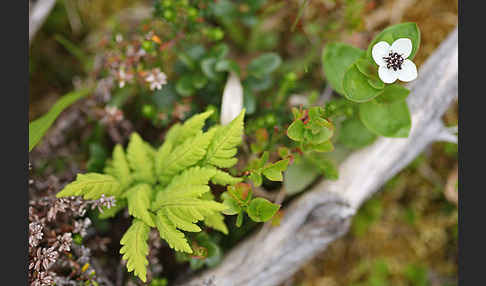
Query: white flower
156, 78
392, 61
232, 102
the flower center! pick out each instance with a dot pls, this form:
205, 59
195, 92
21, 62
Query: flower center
394, 61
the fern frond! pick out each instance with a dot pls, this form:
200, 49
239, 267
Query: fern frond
120, 168
180, 192
191, 127
161, 156
169, 233
222, 149
139, 198
193, 176
185, 156
91, 186
135, 248
183, 213
223, 178
216, 219
173, 133
140, 160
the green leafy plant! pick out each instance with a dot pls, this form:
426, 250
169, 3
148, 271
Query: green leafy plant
239, 200
167, 187
354, 73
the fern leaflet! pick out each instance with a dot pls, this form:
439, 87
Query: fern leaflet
135, 248
91, 186
140, 160
222, 149
139, 198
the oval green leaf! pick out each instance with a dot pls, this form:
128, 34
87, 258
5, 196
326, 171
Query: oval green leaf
261, 210
264, 64
356, 86
386, 119
353, 134
336, 59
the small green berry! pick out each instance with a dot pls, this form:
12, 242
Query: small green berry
148, 111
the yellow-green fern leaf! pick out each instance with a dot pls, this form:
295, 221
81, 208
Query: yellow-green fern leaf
193, 176
140, 160
169, 233
222, 178
216, 219
191, 127
120, 168
161, 156
222, 149
135, 248
139, 198
182, 191
185, 156
91, 186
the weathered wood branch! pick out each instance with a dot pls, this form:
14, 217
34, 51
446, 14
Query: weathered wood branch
323, 214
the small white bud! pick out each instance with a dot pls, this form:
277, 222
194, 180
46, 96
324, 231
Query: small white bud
232, 102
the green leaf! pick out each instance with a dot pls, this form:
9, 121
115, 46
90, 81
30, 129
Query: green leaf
199, 80
214, 220
219, 51
393, 92
139, 198
192, 176
222, 149
264, 64
376, 83
356, 86
183, 213
336, 59
261, 210
120, 168
38, 127
386, 119
273, 172
184, 86
185, 155
367, 67
227, 65
169, 233
299, 176
140, 160
326, 146
353, 134
91, 186
222, 178
190, 128
296, 130
256, 178
231, 204
135, 248
208, 67
395, 32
